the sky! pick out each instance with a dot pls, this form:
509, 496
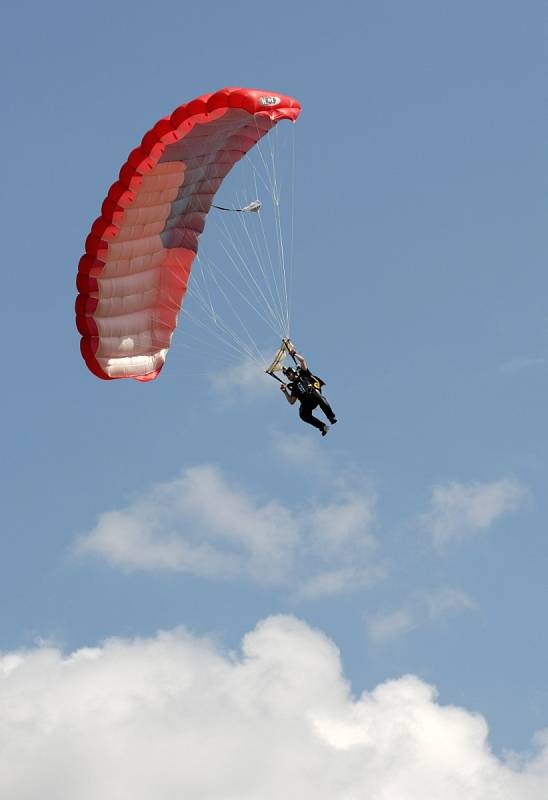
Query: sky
200, 594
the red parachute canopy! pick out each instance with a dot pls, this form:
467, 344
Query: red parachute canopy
134, 274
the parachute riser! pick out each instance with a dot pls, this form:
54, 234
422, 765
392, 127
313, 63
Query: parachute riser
278, 358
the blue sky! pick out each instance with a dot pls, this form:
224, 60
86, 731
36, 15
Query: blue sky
419, 295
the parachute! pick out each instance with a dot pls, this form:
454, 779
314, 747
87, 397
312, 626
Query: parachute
138, 256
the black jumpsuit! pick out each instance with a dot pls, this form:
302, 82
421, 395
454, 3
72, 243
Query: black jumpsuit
307, 389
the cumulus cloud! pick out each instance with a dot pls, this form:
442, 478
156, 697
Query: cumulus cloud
458, 510
198, 523
201, 523
173, 716
423, 608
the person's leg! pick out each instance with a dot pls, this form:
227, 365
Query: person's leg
305, 413
327, 410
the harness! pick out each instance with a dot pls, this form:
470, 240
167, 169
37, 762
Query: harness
309, 385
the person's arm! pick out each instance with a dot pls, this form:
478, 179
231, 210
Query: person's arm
290, 399
291, 350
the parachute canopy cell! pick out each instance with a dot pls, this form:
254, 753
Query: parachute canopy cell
134, 274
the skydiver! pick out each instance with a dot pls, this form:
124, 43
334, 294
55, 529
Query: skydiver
307, 388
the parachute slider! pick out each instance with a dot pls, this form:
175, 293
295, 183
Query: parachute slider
255, 206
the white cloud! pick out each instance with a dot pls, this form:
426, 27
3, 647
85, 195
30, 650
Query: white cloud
384, 627
344, 579
301, 450
458, 510
202, 524
172, 716
447, 601
336, 525
197, 523
423, 608
344, 519
239, 381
